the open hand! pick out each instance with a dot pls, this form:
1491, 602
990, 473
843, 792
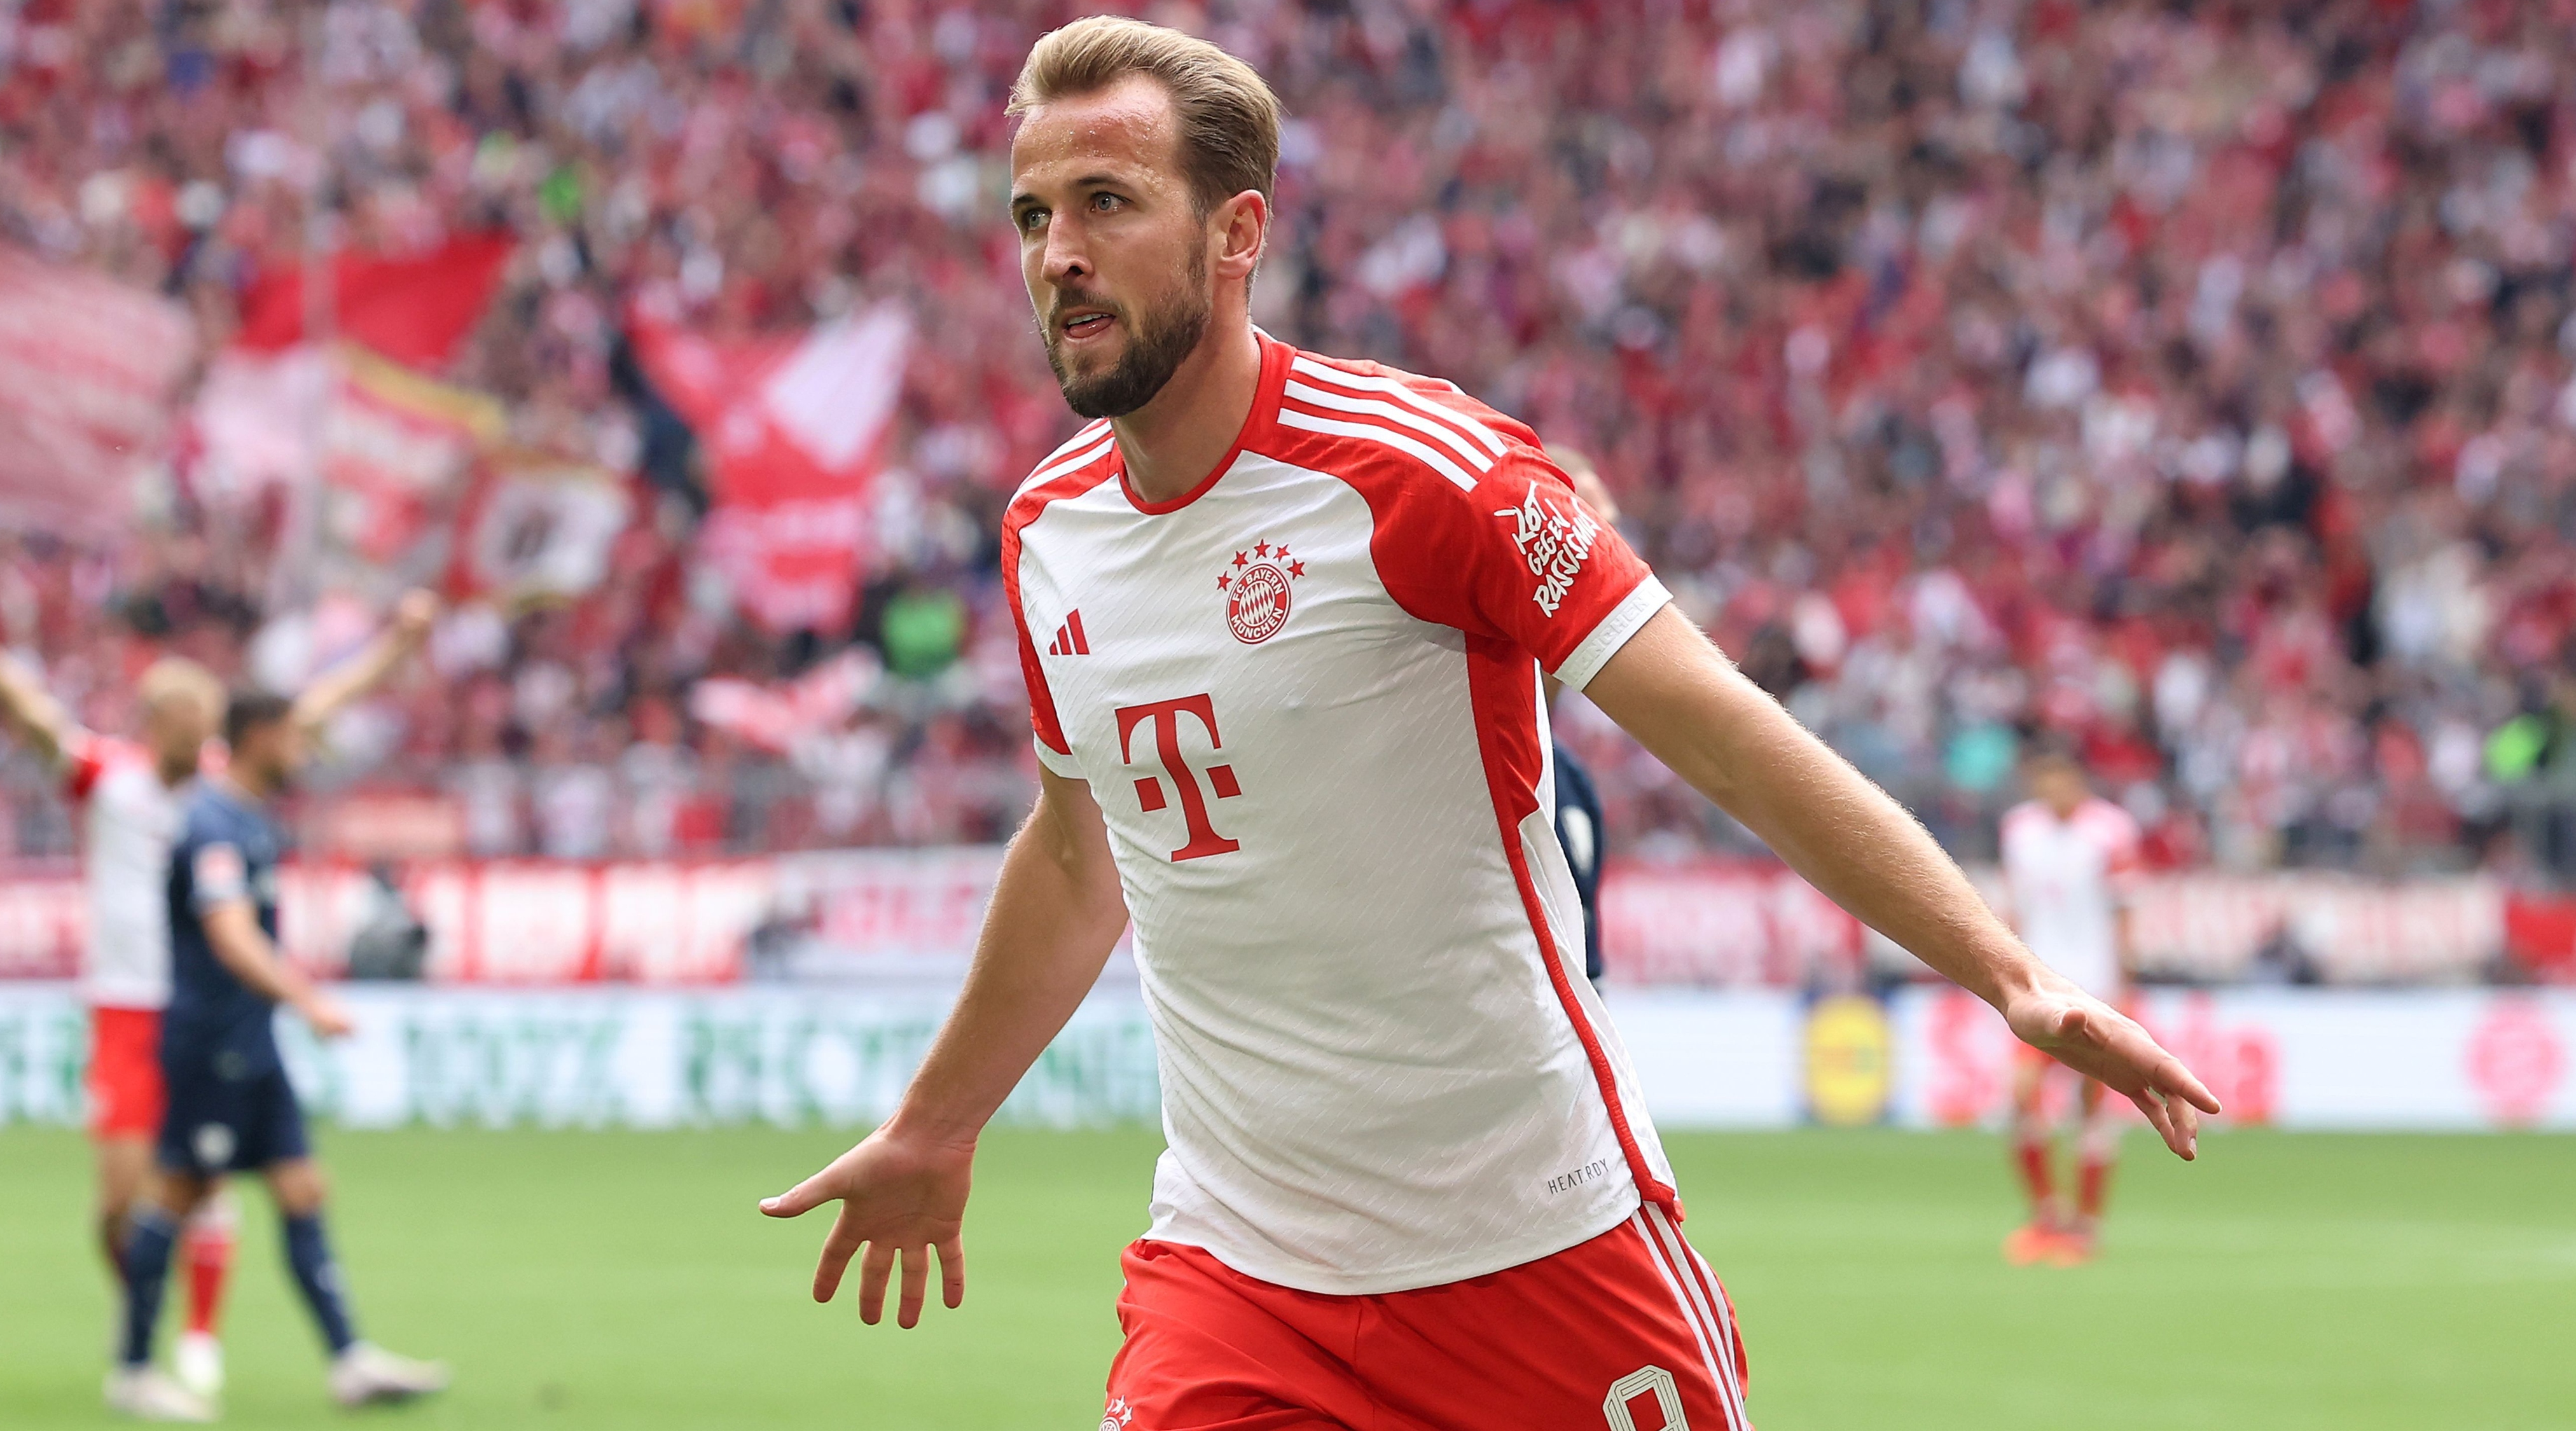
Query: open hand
328, 1019
2109, 1047
414, 613
900, 1197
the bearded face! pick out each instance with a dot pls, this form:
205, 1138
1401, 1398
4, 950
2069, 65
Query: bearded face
1130, 367
1114, 244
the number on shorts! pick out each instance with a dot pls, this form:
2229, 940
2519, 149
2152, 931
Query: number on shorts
1620, 1406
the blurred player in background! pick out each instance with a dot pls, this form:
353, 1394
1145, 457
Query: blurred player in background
231, 1108
1291, 724
1579, 826
128, 795
2069, 857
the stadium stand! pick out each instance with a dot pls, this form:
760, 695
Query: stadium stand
2196, 385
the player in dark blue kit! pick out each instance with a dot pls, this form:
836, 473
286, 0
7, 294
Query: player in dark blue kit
230, 1106
1578, 828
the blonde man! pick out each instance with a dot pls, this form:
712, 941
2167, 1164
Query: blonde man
128, 795
1283, 621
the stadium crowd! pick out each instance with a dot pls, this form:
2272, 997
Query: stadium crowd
2190, 382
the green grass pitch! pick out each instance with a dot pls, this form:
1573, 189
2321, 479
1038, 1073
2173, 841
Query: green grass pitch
623, 1280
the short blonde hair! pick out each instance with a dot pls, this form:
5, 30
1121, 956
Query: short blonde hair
1229, 118
176, 678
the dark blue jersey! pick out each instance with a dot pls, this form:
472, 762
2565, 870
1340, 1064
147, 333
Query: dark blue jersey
1578, 829
227, 850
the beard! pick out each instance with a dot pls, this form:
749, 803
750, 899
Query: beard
1157, 342
279, 777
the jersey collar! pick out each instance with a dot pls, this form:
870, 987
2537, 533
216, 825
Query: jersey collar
1257, 425
223, 788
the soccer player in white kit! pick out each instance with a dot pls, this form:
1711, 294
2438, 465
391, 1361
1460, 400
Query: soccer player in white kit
129, 795
2070, 858
1283, 619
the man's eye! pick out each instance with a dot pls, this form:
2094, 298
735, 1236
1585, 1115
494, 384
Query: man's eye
1103, 203
1032, 220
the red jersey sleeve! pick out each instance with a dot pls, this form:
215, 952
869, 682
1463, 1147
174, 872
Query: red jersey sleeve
1517, 556
88, 758
1071, 476
1054, 752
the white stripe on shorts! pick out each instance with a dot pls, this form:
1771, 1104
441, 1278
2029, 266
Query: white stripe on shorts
1682, 1259
1692, 1317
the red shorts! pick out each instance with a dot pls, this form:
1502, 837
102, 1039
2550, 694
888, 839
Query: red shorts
125, 1091
1629, 1328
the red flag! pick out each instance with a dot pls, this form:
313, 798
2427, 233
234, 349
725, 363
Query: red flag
86, 368
413, 310
393, 449
790, 425
538, 524
775, 718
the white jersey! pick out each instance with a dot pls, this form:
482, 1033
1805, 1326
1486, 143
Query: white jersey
1306, 698
2068, 879
129, 820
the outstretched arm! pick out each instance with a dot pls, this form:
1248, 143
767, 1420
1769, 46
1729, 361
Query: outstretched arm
32, 715
333, 690
1688, 704
1056, 914
232, 928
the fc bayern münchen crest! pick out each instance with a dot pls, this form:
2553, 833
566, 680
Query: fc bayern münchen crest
1256, 587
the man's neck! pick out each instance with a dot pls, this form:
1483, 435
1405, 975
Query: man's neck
243, 790
1171, 444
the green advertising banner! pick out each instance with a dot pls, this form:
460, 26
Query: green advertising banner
640, 1058
44, 1046
626, 1058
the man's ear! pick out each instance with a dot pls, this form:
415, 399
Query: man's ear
1241, 227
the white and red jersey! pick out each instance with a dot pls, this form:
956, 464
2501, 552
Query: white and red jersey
1306, 698
129, 820
2068, 879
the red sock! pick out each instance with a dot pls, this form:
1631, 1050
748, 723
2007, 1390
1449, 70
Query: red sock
210, 1256
2091, 1181
2032, 1153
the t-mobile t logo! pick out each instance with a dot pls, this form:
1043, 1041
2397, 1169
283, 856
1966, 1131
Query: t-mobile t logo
1166, 716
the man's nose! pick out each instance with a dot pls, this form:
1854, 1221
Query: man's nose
1065, 261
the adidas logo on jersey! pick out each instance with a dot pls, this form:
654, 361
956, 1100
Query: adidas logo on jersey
1069, 640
